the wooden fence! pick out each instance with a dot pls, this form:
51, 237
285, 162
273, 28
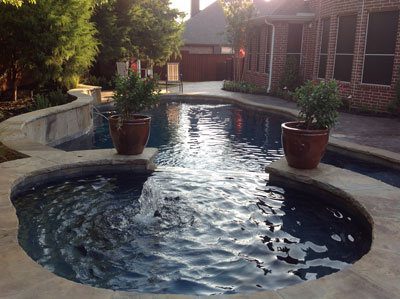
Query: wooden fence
201, 67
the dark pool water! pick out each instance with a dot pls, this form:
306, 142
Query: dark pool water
223, 137
184, 231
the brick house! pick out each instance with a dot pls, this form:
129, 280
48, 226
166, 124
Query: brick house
355, 42
206, 54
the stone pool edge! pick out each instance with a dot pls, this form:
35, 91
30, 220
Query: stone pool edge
376, 274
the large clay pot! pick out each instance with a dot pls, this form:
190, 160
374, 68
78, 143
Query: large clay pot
304, 149
130, 136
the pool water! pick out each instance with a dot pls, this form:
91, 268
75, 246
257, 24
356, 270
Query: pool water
186, 231
223, 137
220, 137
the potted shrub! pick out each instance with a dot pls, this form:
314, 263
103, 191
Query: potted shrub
305, 141
129, 130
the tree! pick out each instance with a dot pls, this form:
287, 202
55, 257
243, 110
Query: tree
237, 15
51, 41
146, 29
16, 3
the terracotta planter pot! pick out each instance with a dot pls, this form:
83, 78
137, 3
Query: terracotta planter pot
304, 149
130, 136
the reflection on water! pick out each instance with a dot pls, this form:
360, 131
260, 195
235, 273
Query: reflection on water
222, 137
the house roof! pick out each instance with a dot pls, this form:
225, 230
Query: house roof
208, 26
286, 10
291, 7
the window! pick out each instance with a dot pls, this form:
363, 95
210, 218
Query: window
268, 49
345, 48
380, 47
259, 34
323, 55
295, 39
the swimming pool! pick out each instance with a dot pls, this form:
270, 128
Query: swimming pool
206, 222
224, 137
187, 231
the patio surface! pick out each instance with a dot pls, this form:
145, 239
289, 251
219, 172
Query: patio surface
379, 132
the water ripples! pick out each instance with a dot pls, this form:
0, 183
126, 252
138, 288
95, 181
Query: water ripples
201, 232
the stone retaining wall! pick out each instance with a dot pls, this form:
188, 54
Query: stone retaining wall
53, 125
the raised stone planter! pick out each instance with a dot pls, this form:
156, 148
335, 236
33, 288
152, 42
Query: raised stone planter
30, 133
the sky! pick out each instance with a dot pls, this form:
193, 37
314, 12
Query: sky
184, 5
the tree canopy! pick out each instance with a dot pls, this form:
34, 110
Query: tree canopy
16, 3
55, 42
145, 29
51, 41
237, 15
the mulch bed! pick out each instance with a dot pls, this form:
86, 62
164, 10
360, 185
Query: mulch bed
7, 154
9, 109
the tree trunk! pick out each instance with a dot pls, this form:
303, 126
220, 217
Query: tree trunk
14, 81
14, 85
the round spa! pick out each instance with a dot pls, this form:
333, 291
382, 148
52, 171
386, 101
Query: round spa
183, 231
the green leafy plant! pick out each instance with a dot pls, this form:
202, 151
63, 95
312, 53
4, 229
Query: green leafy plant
51, 42
133, 94
319, 103
243, 87
41, 102
394, 105
50, 99
237, 15
291, 75
57, 97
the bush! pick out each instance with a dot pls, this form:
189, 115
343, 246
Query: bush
319, 104
103, 82
57, 97
243, 87
50, 99
394, 106
291, 75
133, 94
41, 102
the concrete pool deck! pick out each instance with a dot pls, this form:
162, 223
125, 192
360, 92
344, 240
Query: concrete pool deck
376, 275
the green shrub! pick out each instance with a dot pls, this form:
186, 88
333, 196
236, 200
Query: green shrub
41, 102
243, 87
319, 104
50, 99
103, 82
57, 97
394, 105
291, 75
133, 94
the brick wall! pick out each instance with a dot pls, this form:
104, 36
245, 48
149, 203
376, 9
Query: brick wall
360, 95
259, 77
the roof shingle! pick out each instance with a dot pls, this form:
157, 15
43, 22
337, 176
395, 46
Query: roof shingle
208, 26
